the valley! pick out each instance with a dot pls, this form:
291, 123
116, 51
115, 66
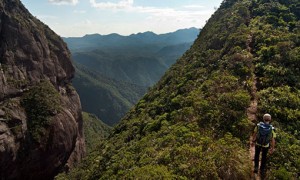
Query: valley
113, 72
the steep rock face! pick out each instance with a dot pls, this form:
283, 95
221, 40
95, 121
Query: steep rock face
31, 144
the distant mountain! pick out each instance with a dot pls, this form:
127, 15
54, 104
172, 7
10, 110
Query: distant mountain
114, 71
146, 39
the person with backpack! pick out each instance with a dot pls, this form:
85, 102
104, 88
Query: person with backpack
264, 138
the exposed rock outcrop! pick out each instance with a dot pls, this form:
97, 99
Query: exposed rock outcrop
31, 53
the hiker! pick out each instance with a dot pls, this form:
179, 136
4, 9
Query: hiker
264, 138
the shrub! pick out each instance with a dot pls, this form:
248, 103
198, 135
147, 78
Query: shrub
40, 103
283, 104
150, 172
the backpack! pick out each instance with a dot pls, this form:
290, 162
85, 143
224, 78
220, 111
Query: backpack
264, 134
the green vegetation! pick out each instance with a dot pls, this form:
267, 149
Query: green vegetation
283, 103
17, 83
40, 102
193, 125
95, 131
105, 97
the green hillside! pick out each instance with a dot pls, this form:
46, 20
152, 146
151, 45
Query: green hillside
142, 70
193, 123
95, 131
106, 98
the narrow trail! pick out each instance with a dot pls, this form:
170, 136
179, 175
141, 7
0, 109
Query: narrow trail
251, 113
252, 109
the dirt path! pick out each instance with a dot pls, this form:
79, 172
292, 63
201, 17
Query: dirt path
252, 109
251, 113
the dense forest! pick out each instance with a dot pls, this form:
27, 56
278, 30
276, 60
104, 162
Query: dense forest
193, 123
105, 97
95, 131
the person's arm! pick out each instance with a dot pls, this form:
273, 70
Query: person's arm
254, 137
272, 146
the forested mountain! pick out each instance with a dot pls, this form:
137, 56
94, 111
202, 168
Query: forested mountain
114, 72
194, 123
107, 98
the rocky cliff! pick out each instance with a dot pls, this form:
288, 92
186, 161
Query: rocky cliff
40, 113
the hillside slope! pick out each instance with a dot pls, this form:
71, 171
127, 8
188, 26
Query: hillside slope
193, 124
142, 70
95, 131
107, 98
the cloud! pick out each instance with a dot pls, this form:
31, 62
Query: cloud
123, 4
63, 2
47, 17
128, 6
184, 14
156, 19
79, 11
194, 7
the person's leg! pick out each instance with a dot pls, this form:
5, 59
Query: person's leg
263, 160
256, 158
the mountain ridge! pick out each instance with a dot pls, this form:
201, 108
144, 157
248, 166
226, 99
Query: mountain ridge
134, 34
90, 42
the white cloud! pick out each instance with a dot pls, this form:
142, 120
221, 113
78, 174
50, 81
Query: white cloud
64, 2
160, 18
194, 7
47, 17
123, 4
128, 6
79, 11
175, 18
156, 19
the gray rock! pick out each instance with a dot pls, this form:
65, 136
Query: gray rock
2, 113
31, 52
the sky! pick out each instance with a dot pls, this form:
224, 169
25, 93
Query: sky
76, 18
